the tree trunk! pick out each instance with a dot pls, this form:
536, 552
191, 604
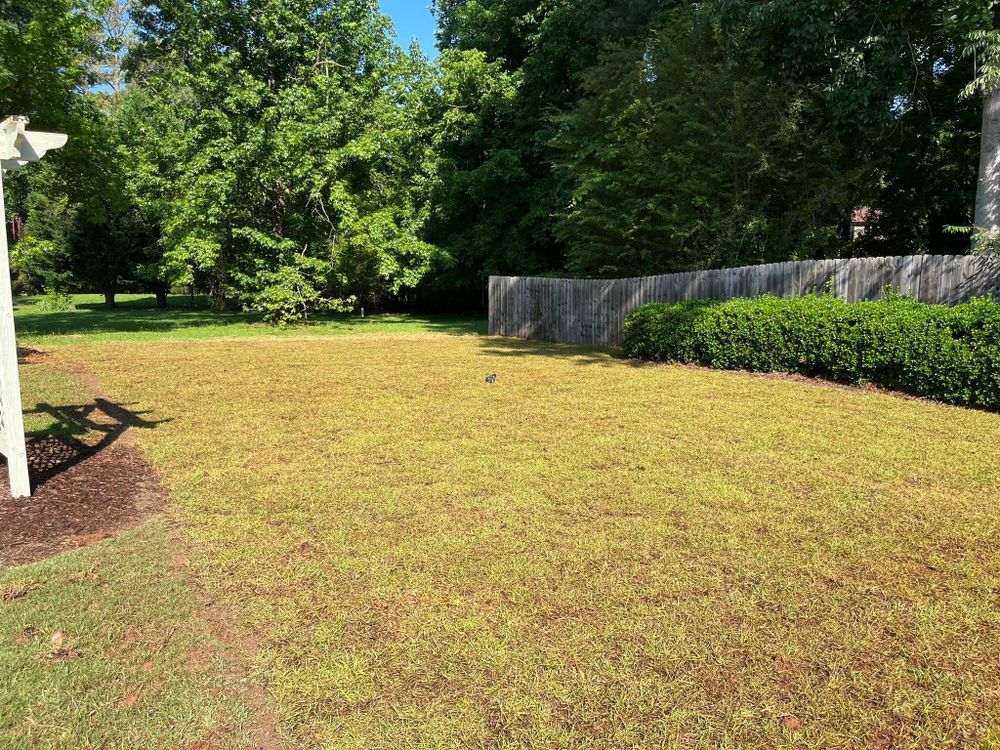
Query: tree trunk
161, 297
109, 298
988, 191
216, 296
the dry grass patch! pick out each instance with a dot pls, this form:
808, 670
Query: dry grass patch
589, 553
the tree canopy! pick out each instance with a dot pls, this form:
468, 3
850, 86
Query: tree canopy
287, 156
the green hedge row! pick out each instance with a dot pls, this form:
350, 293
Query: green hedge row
947, 353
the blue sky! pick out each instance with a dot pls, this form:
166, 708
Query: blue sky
412, 18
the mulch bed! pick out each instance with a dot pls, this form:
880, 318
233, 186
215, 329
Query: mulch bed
82, 494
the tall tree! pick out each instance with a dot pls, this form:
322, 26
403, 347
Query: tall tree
117, 35
866, 110
51, 55
893, 73
982, 34
283, 150
516, 63
684, 153
44, 45
987, 221
44, 48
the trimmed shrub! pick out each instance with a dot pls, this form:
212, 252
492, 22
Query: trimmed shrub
947, 353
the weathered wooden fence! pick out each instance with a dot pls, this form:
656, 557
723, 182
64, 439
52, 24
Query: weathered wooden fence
592, 311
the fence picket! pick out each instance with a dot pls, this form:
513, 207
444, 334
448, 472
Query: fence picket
589, 311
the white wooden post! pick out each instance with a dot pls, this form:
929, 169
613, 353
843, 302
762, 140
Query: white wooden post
11, 419
17, 147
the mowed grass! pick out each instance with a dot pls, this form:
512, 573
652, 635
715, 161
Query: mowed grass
588, 554
136, 317
103, 648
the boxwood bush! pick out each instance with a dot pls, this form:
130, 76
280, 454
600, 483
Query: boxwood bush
947, 353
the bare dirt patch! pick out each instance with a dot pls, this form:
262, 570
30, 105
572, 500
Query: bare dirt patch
83, 493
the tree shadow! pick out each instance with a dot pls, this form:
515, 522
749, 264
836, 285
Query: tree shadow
472, 324
578, 354
175, 302
143, 317
126, 320
78, 432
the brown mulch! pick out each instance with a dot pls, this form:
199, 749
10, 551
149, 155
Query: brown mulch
82, 494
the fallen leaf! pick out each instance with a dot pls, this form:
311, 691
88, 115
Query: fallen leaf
790, 722
83, 540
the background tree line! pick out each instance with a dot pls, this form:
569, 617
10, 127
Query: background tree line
287, 156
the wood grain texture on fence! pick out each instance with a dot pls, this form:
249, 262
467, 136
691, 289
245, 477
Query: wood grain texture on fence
592, 311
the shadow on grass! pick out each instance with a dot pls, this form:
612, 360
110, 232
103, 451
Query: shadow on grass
579, 354
77, 432
141, 316
174, 302
460, 325
124, 319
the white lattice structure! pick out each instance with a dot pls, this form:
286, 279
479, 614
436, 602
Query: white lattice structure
17, 147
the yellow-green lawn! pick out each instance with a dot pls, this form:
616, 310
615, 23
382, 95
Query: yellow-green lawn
590, 553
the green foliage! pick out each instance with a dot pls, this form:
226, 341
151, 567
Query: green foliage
286, 132
44, 45
893, 76
36, 265
946, 353
291, 291
685, 153
647, 137
509, 66
985, 244
286, 155
470, 206
55, 301
82, 228
82, 211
